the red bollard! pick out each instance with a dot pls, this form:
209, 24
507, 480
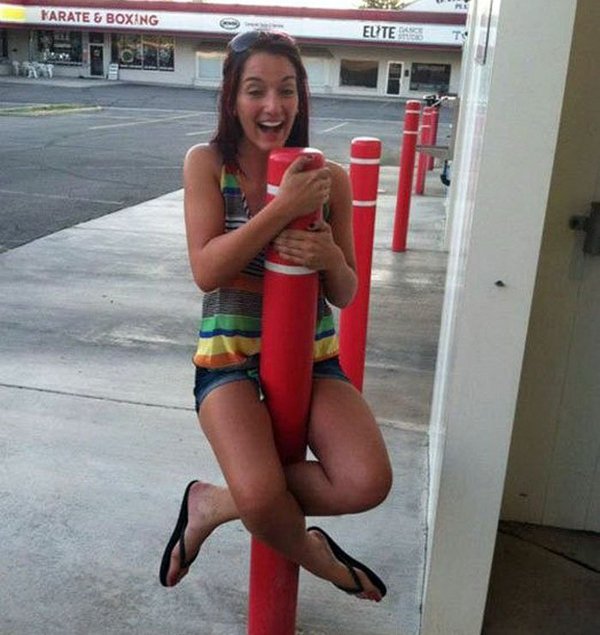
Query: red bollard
365, 155
424, 139
435, 117
405, 178
288, 330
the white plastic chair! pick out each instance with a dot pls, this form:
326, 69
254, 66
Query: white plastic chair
29, 70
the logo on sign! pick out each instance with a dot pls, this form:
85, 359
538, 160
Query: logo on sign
230, 24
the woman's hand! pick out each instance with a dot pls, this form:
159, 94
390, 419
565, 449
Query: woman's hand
314, 248
303, 191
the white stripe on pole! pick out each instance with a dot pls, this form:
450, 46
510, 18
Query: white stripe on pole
288, 270
364, 203
410, 132
360, 161
272, 189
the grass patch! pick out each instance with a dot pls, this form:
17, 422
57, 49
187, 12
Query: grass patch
45, 109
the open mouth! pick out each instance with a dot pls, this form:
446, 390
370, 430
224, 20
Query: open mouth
271, 126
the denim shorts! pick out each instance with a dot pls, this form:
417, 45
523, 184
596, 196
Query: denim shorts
207, 380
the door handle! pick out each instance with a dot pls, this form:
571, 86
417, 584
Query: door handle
591, 226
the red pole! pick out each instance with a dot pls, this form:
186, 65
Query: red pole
405, 178
424, 139
435, 117
365, 154
288, 330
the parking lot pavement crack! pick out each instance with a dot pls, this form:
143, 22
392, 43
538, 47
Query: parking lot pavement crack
66, 393
410, 426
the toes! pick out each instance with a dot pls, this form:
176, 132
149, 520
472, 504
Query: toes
175, 571
369, 591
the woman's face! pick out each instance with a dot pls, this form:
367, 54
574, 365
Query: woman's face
267, 100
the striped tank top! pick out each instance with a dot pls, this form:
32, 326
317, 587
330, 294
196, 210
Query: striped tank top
230, 327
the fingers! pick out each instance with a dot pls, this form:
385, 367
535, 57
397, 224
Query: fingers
296, 174
318, 225
304, 190
311, 248
298, 164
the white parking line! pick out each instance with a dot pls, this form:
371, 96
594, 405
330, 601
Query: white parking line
141, 123
65, 198
139, 108
340, 125
105, 116
355, 120
191, 134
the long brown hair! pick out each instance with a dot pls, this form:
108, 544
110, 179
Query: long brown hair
229, 131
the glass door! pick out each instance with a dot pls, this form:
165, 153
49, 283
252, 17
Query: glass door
394, 78
97, 60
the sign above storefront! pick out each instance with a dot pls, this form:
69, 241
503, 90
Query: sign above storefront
346, 29
436, 6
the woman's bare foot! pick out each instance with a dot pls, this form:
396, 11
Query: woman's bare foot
340, 574
208, 507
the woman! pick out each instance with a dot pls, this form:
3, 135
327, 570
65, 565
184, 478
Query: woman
264, 105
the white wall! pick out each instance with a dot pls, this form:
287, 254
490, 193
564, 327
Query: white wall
501, 181
554, 466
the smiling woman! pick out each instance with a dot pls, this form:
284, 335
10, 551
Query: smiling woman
263, 106
267, 102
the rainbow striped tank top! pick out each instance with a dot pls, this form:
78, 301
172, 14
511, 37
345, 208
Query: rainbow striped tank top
230, 327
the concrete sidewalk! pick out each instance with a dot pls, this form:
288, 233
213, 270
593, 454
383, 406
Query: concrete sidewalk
98, 435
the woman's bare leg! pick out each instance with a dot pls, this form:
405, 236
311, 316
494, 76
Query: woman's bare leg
352, 474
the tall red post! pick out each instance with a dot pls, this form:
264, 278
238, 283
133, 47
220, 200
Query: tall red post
405, 178
435, 117
424, 139
365, 155
288, 330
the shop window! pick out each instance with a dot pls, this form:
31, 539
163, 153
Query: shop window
59, 47
166, 53
150, 52
433, 78
144, 52
210, 64
359, 73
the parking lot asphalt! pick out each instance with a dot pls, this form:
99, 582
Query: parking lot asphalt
130, 95
57, 170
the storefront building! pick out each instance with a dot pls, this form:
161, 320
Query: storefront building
347, 52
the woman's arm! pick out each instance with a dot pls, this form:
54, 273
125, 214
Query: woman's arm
340, 279
329, 247
217, 257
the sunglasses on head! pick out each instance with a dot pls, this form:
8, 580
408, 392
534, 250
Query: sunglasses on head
246, 40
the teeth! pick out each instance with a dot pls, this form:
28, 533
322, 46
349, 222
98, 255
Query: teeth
270, 124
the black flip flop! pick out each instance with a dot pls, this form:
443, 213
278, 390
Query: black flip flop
352, 564
177, 536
